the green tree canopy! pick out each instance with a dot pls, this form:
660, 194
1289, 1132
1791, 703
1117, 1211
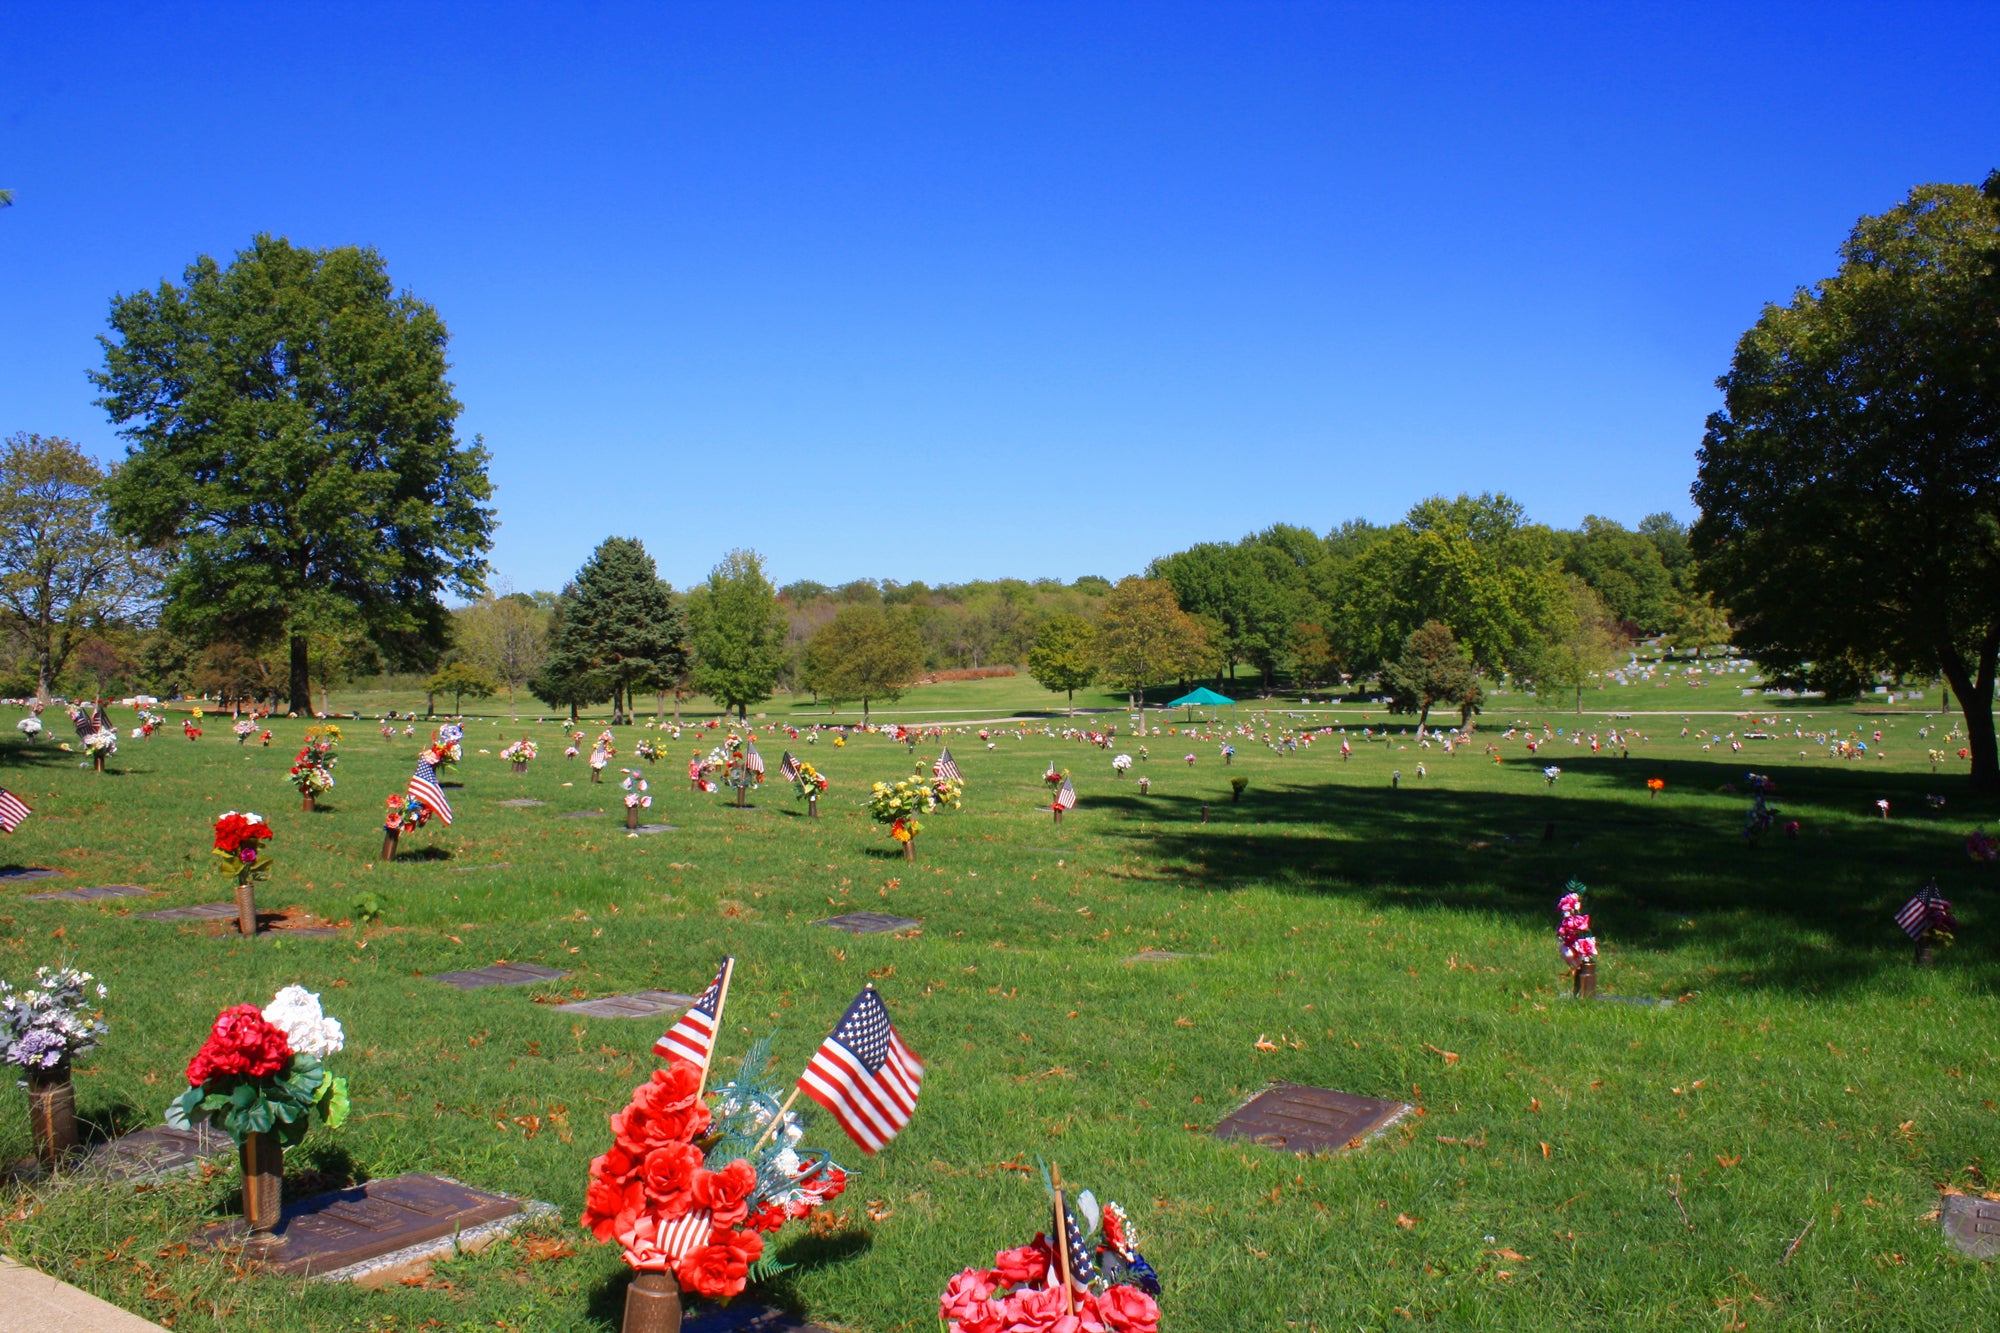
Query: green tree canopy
63, 572
292, 445
1625, 569
1065, 655
1586, 643
459, 679
567, 676
1144, 638
1850, 486
1433, 668
506, 635
865, 652
621, 623
739, 633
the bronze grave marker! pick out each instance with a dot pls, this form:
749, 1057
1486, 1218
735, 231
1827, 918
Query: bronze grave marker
199, 912
158, 1151
639, 1004
1973, 1224
351, 1226
868, 923
499, 974
1292, 1117
92, 895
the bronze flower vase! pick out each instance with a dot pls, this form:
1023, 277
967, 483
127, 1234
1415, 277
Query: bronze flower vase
909, 849
263, 1163
52, 1113
1926, 952
306, 799
631, 816
246, 903
1583, 981
520, 766
97, 761
812, 805
389, 836
652, 1304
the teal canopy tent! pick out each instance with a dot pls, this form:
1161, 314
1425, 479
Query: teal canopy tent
1203, 697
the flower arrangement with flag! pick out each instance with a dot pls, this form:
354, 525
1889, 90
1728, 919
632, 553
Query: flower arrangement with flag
1090, 1279
1928, 916
12, 810
899, 804
263, 1071
1573, 936
312, 768
103, 741
425, 787
405, 814
1066, 796
692, 1190
946, 767
809, 780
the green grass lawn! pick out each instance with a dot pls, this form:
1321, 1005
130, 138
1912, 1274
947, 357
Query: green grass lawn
1392, 942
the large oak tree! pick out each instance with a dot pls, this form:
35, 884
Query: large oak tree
1850, 486
292, 448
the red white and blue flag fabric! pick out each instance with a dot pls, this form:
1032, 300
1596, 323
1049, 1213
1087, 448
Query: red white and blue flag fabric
1082, 1268
1066, 798
1924, 913
693, 1037
425, 788
788, 767
864, 1075
946, 766
12, 810
752, 761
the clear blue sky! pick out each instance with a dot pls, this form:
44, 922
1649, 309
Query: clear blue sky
952, 291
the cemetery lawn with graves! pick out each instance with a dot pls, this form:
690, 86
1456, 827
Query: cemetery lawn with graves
1766, 1149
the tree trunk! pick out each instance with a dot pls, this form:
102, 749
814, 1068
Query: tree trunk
1975, 701
1072, 703
1423, 716
301, 687
512, 707
430, 705
42, 692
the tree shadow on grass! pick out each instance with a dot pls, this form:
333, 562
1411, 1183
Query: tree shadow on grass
1810, 913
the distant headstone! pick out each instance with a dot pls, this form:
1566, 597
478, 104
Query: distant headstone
654, 828
523, 802
335, 1234
92, 895
158, 1151
639, 1004
1292, 1117
868, 923
1973, 1224
199, 912
20, 873
499, 974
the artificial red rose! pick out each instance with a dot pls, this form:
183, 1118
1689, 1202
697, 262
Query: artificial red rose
724, 1192
766, 1219
991, 1319
1126, 1309
664, 1109
641, 1243
610, 1206
717, 1270
748, 1245
968, 1295
668, 1176
1039, 1310
1029, 1263
240, 1043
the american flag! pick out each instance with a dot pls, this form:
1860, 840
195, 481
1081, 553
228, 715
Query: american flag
864, 1075
12, 810
1925, 912
693, 1038
788, 768
1066, 798
683, 1235
1082, 1268
424, 787
946, 766
752, 761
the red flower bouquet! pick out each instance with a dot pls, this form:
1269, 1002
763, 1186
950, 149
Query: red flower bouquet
237, 837
692, 1192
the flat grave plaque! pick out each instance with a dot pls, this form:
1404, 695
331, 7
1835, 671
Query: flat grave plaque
740, 1318
1644, 1001
347, 1227
490, 865
158, 1151
22, 873
523, 802
1973, 1224
1157, 956
639, 1004
92, 895
499, 974
654, 828
1292, 1117
581, 814
199, 912
868, 923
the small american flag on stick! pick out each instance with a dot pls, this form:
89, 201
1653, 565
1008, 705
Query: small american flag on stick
864, 1075
425, 788
12, 810
693, 1037
1926, 912
1066, 798
752, 761
788, 767
946, 766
